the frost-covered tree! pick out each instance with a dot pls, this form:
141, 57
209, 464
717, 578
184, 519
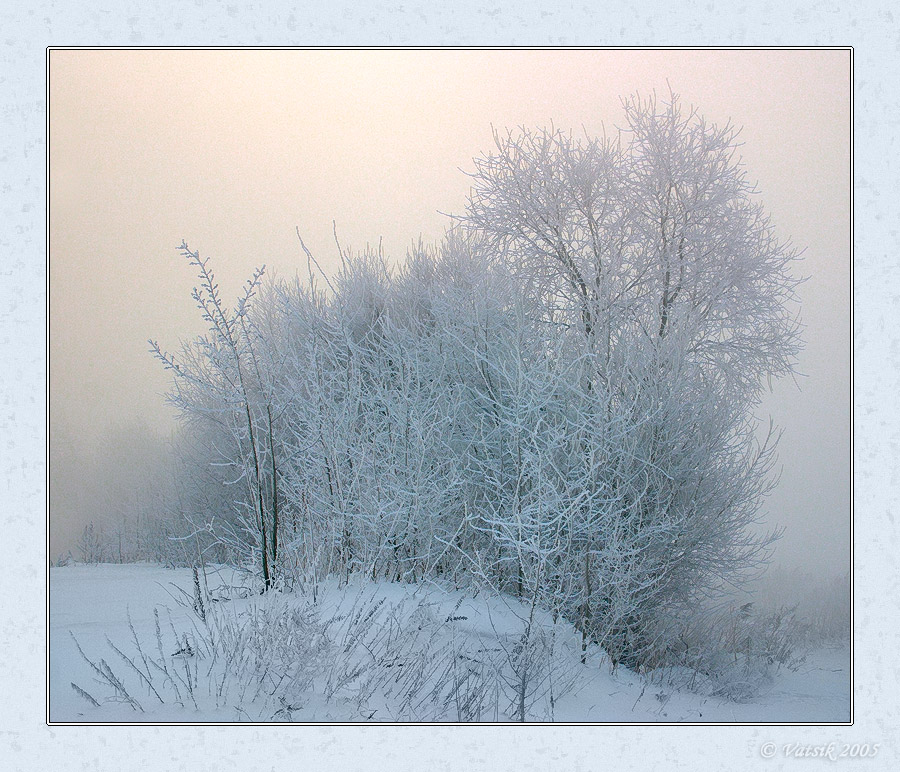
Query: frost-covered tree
651, 250
224, 392
91, 545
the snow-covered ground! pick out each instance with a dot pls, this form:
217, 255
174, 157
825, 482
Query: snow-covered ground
363, 652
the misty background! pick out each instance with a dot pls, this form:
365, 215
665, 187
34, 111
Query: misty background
230, 150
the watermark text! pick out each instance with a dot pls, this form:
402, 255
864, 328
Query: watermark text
833, 751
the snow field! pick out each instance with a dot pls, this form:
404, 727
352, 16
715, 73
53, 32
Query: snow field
364, 651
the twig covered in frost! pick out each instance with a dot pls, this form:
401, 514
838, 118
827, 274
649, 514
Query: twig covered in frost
128, 661
78, 690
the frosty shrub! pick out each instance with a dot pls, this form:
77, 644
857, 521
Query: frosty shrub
557, 401
732, 654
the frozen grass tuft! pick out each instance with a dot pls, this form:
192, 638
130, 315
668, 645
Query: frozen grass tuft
281, 657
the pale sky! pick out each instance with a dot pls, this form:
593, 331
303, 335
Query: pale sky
230, 150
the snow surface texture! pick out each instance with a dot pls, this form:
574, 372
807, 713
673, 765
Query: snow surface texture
361, 652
